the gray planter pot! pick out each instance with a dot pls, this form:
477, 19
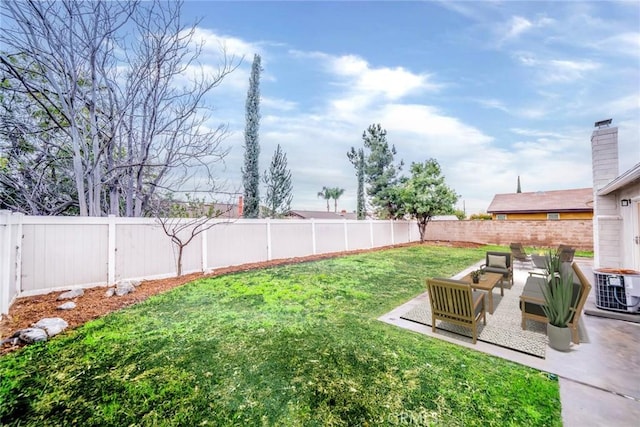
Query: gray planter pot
559, 338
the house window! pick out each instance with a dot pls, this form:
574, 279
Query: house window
501, 216
554, 216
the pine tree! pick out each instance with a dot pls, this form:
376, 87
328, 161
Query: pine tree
381, 174
278, 182
357, 159
251, 171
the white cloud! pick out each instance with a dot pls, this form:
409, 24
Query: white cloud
359, 77
517, 26
392, 83
269, 103
213, 44
627, 44
493, 103
558, 70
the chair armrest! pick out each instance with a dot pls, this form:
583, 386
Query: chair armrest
532, 299
479, 301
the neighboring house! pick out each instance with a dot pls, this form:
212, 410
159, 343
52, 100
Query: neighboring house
298, 214
543, 205
616, 223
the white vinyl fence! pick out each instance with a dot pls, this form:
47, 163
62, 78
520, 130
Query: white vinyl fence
43, 254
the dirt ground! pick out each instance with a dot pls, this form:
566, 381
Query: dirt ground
93, 304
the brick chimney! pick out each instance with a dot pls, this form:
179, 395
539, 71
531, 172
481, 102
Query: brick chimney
606, 218
240, 206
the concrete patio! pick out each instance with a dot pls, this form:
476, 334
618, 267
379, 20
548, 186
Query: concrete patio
599, 380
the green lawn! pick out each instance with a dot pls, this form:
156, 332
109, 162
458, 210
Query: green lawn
285, 346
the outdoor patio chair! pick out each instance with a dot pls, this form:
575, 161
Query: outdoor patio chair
566, 253
499, 262
539, 265
453, 301
532, 300
518, 253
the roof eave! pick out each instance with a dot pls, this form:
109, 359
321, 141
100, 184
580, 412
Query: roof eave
622, 181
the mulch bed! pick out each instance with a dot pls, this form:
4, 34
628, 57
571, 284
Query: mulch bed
93, 304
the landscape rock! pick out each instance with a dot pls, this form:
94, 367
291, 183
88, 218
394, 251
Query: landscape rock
109, 293
52, 325
67, 306
126, 283
31, 335
71, 294
124, 288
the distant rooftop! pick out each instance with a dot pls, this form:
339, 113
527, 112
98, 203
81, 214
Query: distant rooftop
576, 200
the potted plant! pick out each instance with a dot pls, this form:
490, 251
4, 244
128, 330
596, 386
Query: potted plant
475, 276
558, 300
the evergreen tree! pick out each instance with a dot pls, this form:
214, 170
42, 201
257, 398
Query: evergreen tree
381, 174
279, 188
519, 190
357, 159
251, 171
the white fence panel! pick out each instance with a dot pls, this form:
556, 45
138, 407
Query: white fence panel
62, 255
329, 237
143, 250
402, 232
291, 238
43, 254
358, 235
381, 232
236, 243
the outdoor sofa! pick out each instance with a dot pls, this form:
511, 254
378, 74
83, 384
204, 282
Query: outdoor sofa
532, 299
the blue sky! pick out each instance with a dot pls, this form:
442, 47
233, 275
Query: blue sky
491, 89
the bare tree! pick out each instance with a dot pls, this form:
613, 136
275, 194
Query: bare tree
182, 221
131, 128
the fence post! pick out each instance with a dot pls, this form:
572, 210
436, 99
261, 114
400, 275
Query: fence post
204, 249
313, 235
18, 261
268, 239
111, 249
346, 235
393, 239
5, 261
10, 255
371, 233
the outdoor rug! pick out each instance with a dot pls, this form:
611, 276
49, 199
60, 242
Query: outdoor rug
503, 327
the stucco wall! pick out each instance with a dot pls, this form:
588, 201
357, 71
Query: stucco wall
577, 233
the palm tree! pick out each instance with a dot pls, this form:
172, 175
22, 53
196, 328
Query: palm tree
325, 194
335, 195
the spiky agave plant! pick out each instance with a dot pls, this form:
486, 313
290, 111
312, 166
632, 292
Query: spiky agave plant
558, 293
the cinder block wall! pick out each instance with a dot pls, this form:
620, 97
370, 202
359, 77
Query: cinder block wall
577, 233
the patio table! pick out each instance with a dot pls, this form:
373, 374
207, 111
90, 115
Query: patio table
487, 282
